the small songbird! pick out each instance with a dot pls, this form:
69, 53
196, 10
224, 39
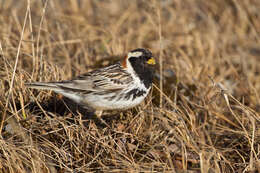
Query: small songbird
119, 86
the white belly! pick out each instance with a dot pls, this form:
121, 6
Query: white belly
119, 101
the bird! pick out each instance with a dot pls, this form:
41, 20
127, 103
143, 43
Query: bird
120, 86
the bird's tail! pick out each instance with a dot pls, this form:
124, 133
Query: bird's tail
43, 85
54, 86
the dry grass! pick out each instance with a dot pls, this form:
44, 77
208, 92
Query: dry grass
203, 114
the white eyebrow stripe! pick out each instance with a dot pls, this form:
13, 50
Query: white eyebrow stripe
134, 54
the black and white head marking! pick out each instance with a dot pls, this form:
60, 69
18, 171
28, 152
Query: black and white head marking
137, 60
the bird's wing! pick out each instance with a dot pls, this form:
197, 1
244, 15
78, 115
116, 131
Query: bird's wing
111, 78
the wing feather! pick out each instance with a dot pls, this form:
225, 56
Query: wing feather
107, 79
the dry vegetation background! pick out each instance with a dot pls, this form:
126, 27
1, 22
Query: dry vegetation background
204, 117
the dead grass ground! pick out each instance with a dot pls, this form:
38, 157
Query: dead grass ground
202, 117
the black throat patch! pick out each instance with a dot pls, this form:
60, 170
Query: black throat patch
143, 70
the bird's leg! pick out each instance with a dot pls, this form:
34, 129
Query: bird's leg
99, 114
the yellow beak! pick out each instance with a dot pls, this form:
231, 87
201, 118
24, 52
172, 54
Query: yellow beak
151, 61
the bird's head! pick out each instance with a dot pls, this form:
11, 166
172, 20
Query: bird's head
140, 56
140, 62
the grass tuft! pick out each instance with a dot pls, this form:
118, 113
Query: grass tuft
203, 112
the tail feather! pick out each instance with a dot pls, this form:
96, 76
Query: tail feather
41, 85
56, 88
